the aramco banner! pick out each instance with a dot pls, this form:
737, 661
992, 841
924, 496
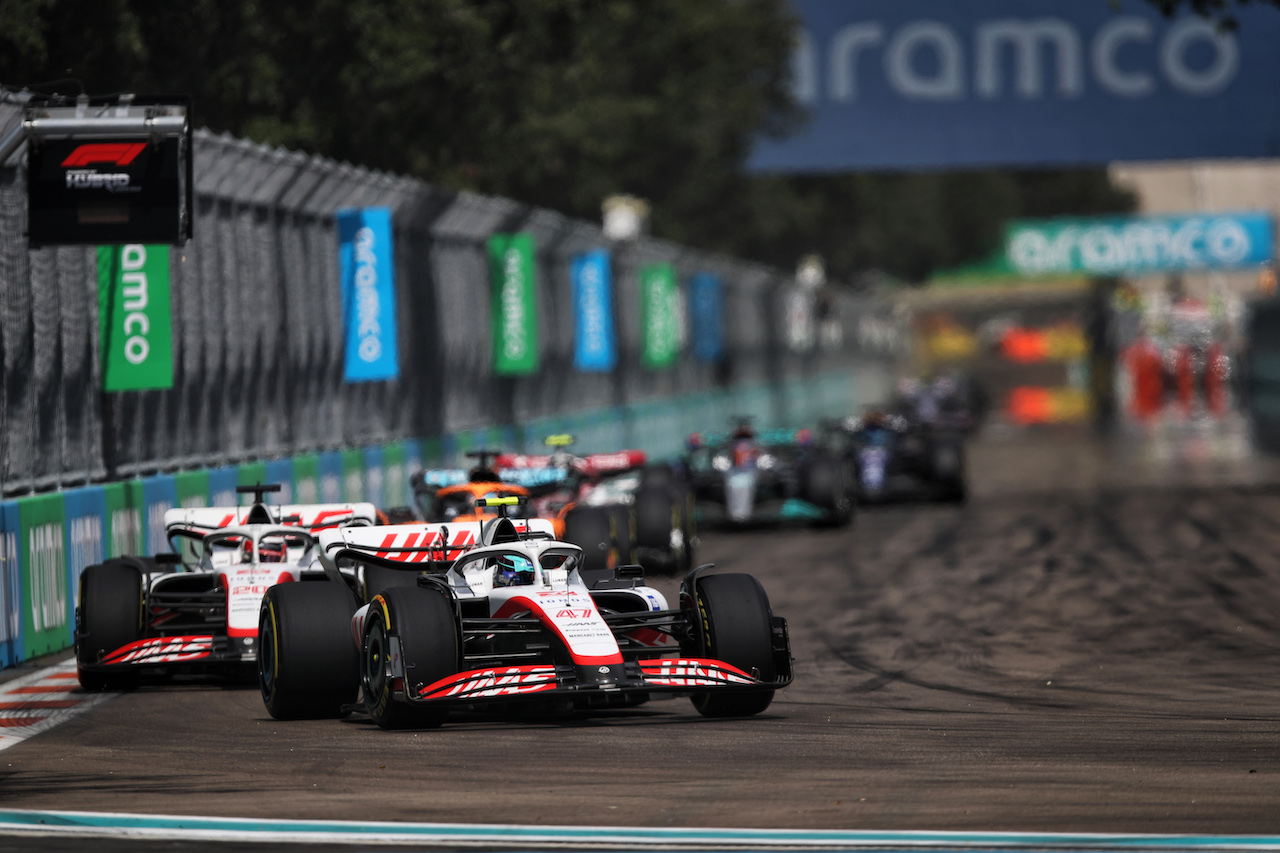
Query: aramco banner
932, 84
366, 263
515, 307
706, 316
659, 320
1137, 245
595, 345
134, 322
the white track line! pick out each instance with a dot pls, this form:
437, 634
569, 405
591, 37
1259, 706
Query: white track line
37, 702
491, 836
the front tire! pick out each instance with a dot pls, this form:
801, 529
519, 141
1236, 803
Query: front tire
423, 622
109, 617
308, 666
736, 626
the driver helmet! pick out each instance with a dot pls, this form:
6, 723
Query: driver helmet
272, 551
513, 570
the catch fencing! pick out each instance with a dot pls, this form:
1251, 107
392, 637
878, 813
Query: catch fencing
259, 335
258, 346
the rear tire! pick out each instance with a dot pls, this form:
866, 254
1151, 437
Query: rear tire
622, 526
825, 487
308, 666
109, 617
588, 528
736, 625
423, 621
377, 578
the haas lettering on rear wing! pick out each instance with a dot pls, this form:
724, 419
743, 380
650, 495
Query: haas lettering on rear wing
313, 517
418, 546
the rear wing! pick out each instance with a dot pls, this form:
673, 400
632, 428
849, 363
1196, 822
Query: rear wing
596, 463
527, 477
314, 517
418, 546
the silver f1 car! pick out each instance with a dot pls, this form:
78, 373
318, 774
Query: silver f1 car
196, 610
509, 620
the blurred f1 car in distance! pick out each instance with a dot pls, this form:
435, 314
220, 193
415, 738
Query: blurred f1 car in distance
894, 457
510, 621
776, 475
650, 513
196, 609
610, 504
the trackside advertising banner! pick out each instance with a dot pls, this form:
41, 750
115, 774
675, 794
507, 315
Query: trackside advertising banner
134, 323
1137, 245
515, 308
933, 84
45, 602
595, 345
10, 586
366, 265
86, 531
659, 321
706, 317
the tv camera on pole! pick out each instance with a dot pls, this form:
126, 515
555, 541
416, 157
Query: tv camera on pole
106, 170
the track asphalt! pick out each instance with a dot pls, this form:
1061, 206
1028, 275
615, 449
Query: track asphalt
1090, 645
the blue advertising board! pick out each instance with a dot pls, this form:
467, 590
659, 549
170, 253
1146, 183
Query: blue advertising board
928, 84
595, 345
85, 532
705, 317
10, 586
374, 476
280, 471
159, 495
1136, 245
366, 264
330, 478
222, 486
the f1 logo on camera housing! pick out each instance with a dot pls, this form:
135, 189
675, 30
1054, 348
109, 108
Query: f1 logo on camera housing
110, 170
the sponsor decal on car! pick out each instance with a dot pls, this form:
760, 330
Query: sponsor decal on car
510, 681
162, 650
692, 672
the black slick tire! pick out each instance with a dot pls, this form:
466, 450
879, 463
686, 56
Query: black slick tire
378, 578
109, 617
736, 626
422, 620
308, 666
588, 528
825, 487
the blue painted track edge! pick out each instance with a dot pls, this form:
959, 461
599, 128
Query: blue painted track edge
387, 832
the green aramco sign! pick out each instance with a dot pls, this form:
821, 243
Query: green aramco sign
134, 323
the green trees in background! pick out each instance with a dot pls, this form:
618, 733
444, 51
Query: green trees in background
556, 103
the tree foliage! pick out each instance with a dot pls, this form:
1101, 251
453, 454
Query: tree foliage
557, 103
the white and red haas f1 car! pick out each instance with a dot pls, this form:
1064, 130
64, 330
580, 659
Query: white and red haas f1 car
196, 610
510, 620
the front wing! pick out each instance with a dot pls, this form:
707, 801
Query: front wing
189, 652
669, 675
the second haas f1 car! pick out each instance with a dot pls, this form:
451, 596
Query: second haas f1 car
196, 610
510, 621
